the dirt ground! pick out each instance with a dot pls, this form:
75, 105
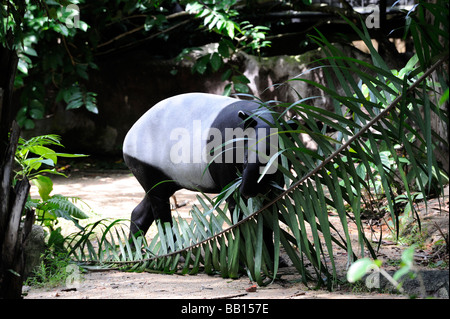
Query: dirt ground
114, 194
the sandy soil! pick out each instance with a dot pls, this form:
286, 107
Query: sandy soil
114, 195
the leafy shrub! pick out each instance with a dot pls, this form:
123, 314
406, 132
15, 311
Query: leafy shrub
54, 270
35, 158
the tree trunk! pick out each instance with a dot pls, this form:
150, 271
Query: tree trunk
8, 69
11, 237
12, 200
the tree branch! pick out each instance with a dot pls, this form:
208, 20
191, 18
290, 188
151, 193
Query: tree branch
128, 45
120, 36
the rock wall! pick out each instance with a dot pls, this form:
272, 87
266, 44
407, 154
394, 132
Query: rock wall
276, 78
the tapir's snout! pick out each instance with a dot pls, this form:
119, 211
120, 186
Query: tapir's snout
250, 186
247, 193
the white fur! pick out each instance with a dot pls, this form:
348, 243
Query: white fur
149, 140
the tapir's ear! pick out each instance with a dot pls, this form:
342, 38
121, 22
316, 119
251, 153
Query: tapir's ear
248, 119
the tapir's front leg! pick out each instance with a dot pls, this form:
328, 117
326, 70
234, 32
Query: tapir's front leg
267, 234
161, 208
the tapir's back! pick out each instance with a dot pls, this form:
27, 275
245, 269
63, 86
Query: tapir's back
167, 137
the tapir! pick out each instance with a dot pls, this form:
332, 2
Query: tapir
184, 142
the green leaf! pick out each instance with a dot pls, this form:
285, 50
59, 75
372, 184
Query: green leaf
44, 185
359, 268
201, 65
22, 66
28, 124
444, 97
408, 256
227, 89
64, 207
216, 61
37, 113
226, 75
406, 264
45, 152
70, 155
61, 28
230, 27
91, 102
240, 79
74, 104
224, 49
259, 250
30, 51
241, 88
56, 239
411, 65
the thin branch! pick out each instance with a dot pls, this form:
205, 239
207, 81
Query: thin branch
127, 18
169, 17
145, 39
68, 51
120, 36
306, 31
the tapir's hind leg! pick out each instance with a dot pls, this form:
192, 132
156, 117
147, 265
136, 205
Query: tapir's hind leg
155, 204
151, 208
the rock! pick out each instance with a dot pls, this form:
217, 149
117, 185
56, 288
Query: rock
34, 248
427, 283
251, 288
269, 75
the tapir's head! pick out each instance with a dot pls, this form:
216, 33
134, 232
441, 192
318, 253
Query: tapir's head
261, 145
